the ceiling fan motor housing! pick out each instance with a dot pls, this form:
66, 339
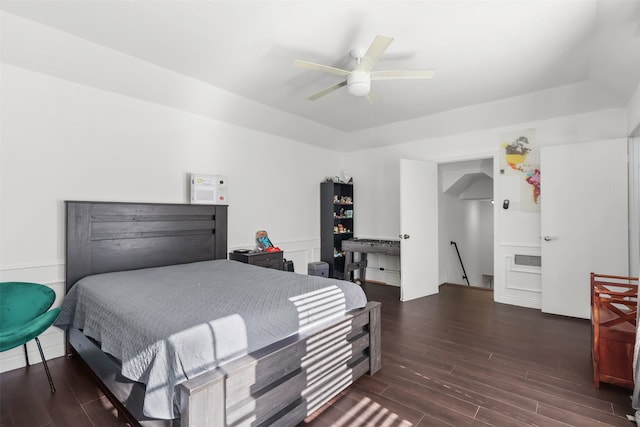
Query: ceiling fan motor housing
359, 83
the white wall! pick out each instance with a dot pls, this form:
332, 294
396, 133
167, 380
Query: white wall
633, 108
452, 214
486, 241
65, 141
377, 173
83, 122
634, 207
465, 217
633, 113
469, 223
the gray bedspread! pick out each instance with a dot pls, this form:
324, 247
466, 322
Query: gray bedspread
169, 324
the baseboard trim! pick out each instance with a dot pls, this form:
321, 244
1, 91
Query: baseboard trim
521, 302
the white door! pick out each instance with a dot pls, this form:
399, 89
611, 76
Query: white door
418, 228
584, 225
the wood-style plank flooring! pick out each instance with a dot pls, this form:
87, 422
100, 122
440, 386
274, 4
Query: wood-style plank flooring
452, 359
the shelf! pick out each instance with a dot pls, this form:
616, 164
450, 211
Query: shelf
336, 203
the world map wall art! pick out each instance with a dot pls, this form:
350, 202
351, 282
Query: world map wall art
520, 156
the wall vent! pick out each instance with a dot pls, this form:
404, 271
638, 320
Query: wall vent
528, 260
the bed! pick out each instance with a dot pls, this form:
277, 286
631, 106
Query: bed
277, 383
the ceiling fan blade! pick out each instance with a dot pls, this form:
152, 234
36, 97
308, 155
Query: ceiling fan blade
330, 89
322, 68
377, 48
402, 74
373, 97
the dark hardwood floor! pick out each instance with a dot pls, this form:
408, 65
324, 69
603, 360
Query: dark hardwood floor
453, 359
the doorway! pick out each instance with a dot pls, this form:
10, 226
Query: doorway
465, 222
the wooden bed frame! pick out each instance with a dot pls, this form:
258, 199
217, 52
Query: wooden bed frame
278, 385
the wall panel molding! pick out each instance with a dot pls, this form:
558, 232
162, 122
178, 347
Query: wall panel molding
50, 274
521, 278
301, 252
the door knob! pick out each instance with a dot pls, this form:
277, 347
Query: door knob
404, 236
547, 238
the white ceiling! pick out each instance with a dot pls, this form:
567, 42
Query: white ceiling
482, 51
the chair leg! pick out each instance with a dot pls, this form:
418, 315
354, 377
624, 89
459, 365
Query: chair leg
46, 368
26, 353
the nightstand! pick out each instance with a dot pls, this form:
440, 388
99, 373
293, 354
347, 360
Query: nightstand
262, 259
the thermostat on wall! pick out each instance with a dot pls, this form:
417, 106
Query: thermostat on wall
208, 189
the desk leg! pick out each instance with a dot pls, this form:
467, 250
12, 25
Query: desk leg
363, 270
348, 259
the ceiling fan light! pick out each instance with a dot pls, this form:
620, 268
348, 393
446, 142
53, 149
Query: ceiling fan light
359, 89
359, 83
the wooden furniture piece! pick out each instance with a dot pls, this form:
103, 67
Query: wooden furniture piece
365, 246
614, 307
277, 385
336, 224
272, 260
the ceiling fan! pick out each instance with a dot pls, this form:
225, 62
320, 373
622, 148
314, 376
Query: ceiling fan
358, 80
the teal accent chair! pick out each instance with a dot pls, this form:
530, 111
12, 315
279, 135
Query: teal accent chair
24, 315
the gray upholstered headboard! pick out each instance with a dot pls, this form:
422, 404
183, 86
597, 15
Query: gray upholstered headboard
103, 237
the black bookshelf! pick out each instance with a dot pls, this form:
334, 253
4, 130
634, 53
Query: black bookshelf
336, 224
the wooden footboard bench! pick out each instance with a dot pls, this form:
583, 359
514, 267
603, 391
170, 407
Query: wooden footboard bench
278, 385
